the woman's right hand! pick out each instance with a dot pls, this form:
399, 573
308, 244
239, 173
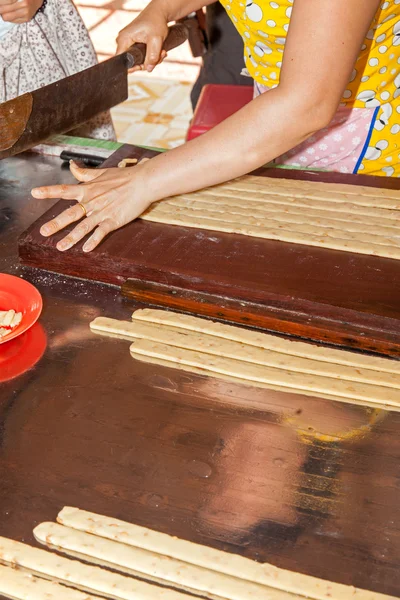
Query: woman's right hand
150, 28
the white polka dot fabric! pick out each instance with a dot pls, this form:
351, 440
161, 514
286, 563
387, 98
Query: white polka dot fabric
374, 83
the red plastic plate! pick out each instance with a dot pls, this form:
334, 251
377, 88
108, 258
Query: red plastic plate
21, 296
21, 354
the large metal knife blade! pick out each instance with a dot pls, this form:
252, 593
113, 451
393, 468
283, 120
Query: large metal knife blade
30, 119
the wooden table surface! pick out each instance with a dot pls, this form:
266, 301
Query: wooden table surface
219, 463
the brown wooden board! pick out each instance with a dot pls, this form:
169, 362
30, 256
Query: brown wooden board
316, 293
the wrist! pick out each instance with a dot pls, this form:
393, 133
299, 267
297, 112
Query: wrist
170, 10
144, 184
161, 8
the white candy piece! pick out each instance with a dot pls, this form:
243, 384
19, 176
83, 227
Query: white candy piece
10, 319
16, 320
127, 161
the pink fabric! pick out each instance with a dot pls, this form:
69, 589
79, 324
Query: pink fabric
336, 147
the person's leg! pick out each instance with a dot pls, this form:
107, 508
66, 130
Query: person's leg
223, 61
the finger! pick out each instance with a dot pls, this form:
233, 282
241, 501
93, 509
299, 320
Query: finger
12, 7
72, 214
15, 16
8, 7
66, 192
124, 40
77, 234
5, 3
100, 233
17, 21
153, 52
84, 174
134, 69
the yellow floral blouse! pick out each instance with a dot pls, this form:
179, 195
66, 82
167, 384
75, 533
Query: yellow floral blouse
374, 83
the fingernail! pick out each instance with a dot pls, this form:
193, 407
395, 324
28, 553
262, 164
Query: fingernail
36, 192
150, 68
62, 246
87, 247
45, 231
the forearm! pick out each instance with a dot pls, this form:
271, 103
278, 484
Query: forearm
263, 130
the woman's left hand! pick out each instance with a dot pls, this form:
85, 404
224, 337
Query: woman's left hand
107, 198
19, 11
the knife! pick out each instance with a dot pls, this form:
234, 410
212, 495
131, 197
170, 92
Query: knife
62, 106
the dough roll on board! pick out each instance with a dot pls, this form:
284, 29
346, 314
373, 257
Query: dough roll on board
292, 205
280, 203
292, 214
359, 194
185, 218
282, 226
20, 586
93, 580
212, 559
154, 567
301, 212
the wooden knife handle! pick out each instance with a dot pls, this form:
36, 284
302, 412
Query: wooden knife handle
178, 34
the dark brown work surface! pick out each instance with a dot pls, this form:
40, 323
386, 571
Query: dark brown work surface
210, 461
321, 294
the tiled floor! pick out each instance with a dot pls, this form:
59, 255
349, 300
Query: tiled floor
158, 111
156, 114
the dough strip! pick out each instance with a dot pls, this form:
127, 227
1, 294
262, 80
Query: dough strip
267, 341
162, 215
93, 580
210, 344
276, 227
338, 222
274, 185
386, 397
212, 559
282, 202
260, 207
249, 384
20, 586
153, 566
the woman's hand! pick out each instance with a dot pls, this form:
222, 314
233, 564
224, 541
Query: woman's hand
150, 28
19, 11
108, 198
